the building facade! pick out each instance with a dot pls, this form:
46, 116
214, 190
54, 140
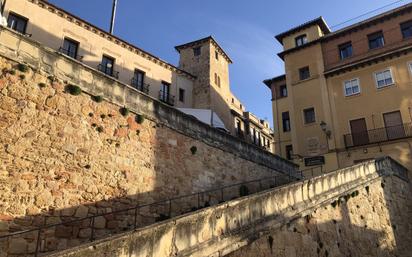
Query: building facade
201, 81
346, 96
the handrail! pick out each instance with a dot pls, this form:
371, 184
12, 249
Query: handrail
143, 87
378, 135
68, 54
136, 208
166, 97
108, 71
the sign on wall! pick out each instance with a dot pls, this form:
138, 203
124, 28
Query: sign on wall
315, 161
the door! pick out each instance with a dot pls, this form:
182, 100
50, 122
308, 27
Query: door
138, 80
107, 65
70, 48
359, 132
393, 125
165, 92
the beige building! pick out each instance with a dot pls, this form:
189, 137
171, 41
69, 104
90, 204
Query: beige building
200, 82
346, 96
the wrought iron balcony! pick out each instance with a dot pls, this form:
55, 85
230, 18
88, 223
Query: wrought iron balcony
108, 71
378, 135
70, 54
141, 87
166, 97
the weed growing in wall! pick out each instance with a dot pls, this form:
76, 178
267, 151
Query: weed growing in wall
97, 98
42, 85
11, 72
139, 118
22, 67
124, 111
73, 89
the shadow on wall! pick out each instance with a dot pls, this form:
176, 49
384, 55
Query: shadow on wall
370, 221
66, 157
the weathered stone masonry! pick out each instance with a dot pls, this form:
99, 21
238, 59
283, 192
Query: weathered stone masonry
65, 156
372, 219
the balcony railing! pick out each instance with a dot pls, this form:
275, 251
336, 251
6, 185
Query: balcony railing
141, 87
108, 71
70, 54
378, 135
166, 97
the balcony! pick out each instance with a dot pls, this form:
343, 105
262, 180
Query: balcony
108, 71
378, 135
165, 97
70, 54
142, 87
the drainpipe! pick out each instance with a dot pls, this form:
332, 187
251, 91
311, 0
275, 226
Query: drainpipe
113, 16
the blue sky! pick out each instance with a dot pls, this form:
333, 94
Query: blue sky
244, 28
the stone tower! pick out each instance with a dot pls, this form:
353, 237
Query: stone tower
205, 59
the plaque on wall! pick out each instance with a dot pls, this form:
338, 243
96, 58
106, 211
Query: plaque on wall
315, 161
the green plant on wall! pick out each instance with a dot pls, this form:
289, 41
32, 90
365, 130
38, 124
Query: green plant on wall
22, 76
243, 190
124, 111
193, 149
97, 98
73, 89
22, 67
139, 118
42, 85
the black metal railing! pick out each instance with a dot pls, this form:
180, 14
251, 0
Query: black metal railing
70, 54
166, 97
83, 230
139, 86
378, 135
108, 71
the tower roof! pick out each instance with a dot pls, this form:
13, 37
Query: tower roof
318, 21
201, 41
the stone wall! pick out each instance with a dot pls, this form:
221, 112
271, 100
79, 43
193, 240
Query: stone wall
67, 156
359, 211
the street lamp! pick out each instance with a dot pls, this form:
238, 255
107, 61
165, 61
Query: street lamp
324, 128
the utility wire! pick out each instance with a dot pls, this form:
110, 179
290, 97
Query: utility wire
367, 13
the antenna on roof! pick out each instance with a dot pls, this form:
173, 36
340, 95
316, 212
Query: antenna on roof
113, 16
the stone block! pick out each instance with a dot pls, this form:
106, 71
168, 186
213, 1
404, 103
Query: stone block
18, 246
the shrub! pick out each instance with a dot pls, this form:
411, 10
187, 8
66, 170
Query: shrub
22, 67
22, 76
243, 190
124, 111
73, 89
139, 118
51, 78
12, 72
97, 98
42, 85
334, 203
193, 149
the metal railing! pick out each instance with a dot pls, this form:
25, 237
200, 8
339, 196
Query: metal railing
90, 228
141, 87
166, 97
108, 71
70, 54
378, 135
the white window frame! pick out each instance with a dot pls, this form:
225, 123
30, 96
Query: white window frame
381, 71
350, 80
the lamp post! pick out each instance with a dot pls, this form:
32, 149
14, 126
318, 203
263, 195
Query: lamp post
327, 132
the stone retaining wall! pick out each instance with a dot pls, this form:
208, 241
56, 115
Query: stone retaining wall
65, 156
359, 211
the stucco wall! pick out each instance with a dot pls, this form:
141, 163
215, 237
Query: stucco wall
66, 156
302, 219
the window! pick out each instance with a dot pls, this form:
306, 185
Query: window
384, 78
218, 81
107, 65
216, 55
181, 95
406, 29
283, 91
138, 79
309, 115
376, 40
165, 92
70, 48
289, 152
304, 73
215, 78
233, 100
239, 128
241, 106
345, 50
197, 51
286, 121
301, 40
351, 87
17, 23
